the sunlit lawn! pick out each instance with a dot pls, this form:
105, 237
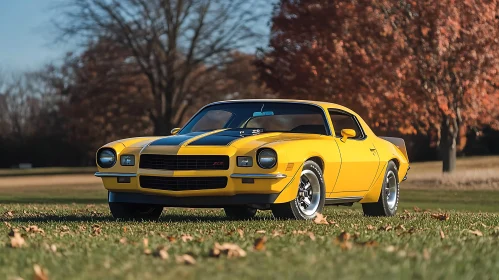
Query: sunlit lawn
71, 248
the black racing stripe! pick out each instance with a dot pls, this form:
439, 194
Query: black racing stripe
225, 137
175, 139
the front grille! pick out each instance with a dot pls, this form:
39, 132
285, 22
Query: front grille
173, 162
182, 183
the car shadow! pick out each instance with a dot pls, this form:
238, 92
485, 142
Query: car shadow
168, 218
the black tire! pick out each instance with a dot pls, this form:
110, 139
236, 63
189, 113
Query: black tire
292, 209
240, 212
383, 207
133, 211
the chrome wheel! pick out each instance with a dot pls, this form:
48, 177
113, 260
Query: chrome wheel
391, 189
309, 193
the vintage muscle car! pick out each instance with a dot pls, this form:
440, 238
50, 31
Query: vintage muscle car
290, 156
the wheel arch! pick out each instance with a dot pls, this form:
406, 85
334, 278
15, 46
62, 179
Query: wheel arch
318, 160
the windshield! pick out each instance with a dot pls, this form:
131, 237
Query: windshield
266, 116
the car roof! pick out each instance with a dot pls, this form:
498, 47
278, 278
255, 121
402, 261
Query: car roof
323, 104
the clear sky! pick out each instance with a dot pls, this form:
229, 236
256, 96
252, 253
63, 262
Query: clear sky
26, 34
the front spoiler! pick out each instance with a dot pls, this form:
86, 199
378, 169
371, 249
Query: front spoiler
192, 201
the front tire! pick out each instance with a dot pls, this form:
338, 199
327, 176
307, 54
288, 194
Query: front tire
240, 212
389, 196
133, 211
310, 199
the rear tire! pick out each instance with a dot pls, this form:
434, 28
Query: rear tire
310, 198
133, 211
389, 196
240, 212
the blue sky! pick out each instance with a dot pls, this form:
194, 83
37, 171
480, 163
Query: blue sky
26, 35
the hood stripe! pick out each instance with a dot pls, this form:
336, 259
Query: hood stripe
224, 138
175, 140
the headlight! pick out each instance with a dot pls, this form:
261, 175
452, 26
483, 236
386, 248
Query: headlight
106, 158
244, 161
127, 160
267, 158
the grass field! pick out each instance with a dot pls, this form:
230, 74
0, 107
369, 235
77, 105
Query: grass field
68, 232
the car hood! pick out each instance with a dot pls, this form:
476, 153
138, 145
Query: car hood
227, 138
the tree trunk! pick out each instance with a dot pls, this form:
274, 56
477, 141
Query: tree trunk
448, 147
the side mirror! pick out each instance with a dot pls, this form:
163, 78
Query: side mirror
347, 133
175, 131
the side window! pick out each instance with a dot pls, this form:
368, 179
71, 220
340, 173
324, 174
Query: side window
345, 121
213, 119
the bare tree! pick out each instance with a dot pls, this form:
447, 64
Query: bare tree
174, 42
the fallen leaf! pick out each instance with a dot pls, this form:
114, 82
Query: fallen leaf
442, 234
123, 240
476, 232
186, 237
7, 224
9, 214
321, 219
385, 228
370, 227
343, 237
96, 230
312, 236
260, 231
390, 249
185, 259
417, 209
64, 229
40, 273
440, 216
228, 249
53, 248
171, 238
259, 244
240, 232
17, 241
34, 229
400, 227
300, 232
161, 252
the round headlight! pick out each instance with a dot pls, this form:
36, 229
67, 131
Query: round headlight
106, 158
267, 158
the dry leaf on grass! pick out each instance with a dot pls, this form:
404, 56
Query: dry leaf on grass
17, 241
161, 252
321, 219
96, 230
276, 233
240, 232
171, 238
7, 224
34, 229
440, 216
185, 259
186, 237
228, 249
476, 232
259, 244
312, 236
40, 273
344, 236
390, 249
370, 227
123, 240
9, 214
385, 228
400, 227
260, 231
417, 209
442, 234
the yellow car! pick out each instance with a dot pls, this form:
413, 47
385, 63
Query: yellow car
290, 156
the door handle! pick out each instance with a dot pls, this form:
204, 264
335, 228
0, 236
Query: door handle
372, 149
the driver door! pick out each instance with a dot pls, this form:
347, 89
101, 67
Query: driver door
359, 158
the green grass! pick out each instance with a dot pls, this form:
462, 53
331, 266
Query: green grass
422, 254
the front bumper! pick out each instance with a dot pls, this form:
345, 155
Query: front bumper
193, 201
